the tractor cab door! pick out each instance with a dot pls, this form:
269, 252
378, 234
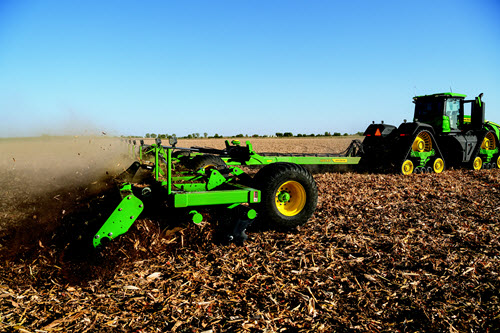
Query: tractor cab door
452, 111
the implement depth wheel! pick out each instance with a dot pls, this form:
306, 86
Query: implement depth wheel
407, 167
477, 164
288, 195
206, 162
498, 162
438, 165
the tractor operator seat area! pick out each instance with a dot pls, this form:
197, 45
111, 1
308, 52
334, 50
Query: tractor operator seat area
452, 111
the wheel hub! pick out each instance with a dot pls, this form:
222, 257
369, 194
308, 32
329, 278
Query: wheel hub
284, 196
290, 198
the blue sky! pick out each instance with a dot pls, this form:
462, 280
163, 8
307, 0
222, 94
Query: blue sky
229, 67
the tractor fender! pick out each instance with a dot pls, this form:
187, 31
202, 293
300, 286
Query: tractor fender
495, 128
411, 129
383, 130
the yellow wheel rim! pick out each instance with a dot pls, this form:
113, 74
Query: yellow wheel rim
422, 143
290, 198
498, 162
209, 166
478, 163
407, 167
438, 165
489, 142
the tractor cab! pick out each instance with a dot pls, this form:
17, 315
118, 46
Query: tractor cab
446, 113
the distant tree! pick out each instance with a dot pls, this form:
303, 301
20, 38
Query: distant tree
264, 136
148, 135
336, 134
327, 134
312, 134
345, 134
190, 136
288, 134
255, 136
239, 135
299, 135
205, 135
279, 135
153, 135
217, 135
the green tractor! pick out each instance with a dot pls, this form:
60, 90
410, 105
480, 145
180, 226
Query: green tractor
442, 134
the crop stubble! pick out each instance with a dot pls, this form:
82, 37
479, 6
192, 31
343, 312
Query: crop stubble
381, 253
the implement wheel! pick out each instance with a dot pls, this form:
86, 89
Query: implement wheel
498, 162
207, 162
477, 164
438, 165
407, 167
288, 195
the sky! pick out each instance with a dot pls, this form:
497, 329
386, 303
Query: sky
229, 67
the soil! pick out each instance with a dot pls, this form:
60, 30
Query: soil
381, 253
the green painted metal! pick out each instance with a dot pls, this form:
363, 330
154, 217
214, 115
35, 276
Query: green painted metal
169, 171
446, 124
488, 154
193, 187
215, 197
196, 217
495, 127
304, 160
422, 158
252, 214
120, 221
215, 179
284, 196
449, 94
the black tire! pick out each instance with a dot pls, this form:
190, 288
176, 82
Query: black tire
291, 179
207, 161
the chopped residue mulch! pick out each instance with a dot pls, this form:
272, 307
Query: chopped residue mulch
381, 253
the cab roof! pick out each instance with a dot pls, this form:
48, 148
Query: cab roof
446, 94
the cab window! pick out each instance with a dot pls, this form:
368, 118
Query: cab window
452, 111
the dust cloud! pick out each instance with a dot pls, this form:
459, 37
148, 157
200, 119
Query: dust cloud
42, 178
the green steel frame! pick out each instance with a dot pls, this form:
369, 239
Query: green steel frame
192, 189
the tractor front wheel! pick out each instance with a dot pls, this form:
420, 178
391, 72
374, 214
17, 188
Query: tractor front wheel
288, 195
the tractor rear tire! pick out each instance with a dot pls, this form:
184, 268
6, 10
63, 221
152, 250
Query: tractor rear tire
206, 162
288, 195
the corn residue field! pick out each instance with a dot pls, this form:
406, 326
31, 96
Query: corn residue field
382, 253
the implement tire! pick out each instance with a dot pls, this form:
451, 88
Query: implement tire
288, 195
206, 162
